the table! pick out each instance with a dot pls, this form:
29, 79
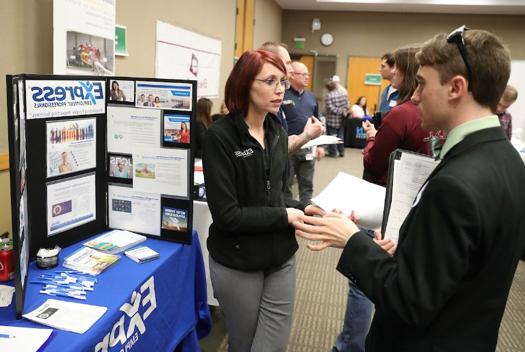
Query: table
167, 298
355, 136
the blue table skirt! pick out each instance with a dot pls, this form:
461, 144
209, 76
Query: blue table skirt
155, 306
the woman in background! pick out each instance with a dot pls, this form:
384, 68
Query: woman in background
251, 240
401, 127
204, 121
223, 112
359, 108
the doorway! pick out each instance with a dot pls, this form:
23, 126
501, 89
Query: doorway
324, 71
358, 68
321, 68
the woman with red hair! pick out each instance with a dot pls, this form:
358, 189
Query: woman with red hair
251, 240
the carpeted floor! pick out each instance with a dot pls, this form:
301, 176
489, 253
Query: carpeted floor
321, 291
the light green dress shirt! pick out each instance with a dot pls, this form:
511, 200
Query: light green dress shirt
457, 134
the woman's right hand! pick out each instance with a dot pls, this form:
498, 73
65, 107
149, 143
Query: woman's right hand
293, 214
369, 128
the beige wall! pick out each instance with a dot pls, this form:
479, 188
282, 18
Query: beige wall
268, 22
373, 34
27, 45
215, 19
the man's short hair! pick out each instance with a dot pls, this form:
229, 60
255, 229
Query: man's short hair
389, 58
273, 47
489, 61
331, 85
510, 94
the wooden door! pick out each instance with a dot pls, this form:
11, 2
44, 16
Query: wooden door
244, 21
358, 67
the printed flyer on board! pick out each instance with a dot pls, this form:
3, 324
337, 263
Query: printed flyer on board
164, 95
70, 203
130, 127
71, 146
161, 171
133, 211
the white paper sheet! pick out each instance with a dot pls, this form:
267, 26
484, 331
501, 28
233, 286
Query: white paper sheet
23, 339
410, 172
346, 193
183, 54
68, 316
6, 296
132, 128
70, 203
322, 140
134, 211
163, 171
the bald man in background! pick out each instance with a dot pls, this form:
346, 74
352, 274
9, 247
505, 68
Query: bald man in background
300, 107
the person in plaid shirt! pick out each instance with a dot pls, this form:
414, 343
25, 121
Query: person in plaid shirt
336, 102
510, 95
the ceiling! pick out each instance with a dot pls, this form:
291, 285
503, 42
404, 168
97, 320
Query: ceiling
489, 7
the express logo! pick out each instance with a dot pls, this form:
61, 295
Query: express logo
244, 154
132, 324
85, 91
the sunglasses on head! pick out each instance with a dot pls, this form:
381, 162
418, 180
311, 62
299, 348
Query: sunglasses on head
457, 37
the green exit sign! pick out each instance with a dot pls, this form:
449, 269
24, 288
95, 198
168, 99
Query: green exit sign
121, 41
372, 79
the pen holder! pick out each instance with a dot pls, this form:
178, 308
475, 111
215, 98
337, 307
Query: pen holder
46, 261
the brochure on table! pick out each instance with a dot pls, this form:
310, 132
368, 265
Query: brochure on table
99, 159
69, 316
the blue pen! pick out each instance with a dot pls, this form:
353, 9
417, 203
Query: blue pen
80, 277
66, 287
4, 335
55, 293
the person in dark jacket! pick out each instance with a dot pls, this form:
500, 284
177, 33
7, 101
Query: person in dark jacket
446, 286
251, 240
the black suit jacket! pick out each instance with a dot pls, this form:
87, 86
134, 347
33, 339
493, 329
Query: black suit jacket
446, 287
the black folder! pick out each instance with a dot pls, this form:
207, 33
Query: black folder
395, 155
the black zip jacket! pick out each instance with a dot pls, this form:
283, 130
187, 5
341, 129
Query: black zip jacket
244, 189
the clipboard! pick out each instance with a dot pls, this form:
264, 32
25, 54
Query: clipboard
417, 160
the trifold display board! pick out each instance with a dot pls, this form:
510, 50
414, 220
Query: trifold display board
88, 154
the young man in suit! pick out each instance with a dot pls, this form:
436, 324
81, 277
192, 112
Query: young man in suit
446, 286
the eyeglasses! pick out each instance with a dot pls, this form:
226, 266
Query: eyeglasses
456, 37
306, 74
272, 82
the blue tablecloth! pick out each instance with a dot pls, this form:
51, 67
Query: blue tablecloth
166, 301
